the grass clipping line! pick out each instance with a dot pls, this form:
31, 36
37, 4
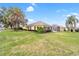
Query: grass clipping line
42, 47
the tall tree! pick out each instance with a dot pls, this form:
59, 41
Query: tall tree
12, 17
71, 23
15, 18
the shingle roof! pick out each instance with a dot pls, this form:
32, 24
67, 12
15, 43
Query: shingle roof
39, 23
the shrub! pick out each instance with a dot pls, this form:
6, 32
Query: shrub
40, 30
77, 30
20, 28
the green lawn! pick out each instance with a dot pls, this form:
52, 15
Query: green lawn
24, 43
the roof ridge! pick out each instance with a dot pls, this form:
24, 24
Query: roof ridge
39, 23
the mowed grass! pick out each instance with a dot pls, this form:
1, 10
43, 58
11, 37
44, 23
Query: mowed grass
26, 43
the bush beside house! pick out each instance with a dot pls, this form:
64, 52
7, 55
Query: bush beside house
40, 30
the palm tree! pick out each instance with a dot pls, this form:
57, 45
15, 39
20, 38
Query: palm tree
71, 23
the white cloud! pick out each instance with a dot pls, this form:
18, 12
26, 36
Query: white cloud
76, 14
30, 9
30, 20
33, 4
58, 11
62, 10
68, 15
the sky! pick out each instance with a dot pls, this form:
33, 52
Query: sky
51, 13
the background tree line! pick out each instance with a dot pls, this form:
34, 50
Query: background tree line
14, 18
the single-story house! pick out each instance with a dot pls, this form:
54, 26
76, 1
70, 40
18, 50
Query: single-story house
57, 28
34, 26
62, 28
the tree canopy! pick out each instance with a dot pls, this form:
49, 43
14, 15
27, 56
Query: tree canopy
71, 22
12, 17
